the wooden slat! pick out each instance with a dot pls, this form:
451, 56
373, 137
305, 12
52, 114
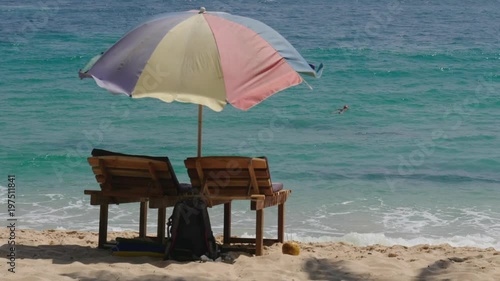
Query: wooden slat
243, 173
240, 174
131, 193
273, 200
97, 198
233, 191
124, 162
259, 173
223, 174
165, 183
251, 240
264, 187
163, 202
237, 182
232, 162
218, 202
139, 188
227, 183
139, 173
226, 197
91, 192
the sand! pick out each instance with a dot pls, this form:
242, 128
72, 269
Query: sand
72, 255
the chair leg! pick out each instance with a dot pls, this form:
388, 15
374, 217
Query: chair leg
281, 223
143, 217
162, 221
227, 223
259, 233
103, 225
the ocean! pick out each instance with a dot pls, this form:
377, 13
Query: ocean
415, 159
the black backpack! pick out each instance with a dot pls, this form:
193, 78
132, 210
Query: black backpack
189, 232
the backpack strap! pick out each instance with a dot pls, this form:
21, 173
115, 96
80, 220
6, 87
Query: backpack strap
209, 236
172, 225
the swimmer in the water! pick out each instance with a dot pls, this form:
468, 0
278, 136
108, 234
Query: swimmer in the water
343, 109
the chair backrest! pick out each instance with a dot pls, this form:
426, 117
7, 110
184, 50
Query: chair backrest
134, 176
230, 175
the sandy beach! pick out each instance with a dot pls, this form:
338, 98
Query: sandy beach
72, 255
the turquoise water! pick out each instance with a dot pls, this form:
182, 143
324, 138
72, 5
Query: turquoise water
415, 159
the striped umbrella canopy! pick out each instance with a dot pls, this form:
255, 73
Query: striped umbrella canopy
200, 57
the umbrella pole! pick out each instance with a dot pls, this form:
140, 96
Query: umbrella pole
200, 119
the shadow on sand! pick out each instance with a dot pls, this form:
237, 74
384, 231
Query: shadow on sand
66, 254
87, 255
325, 269
436, 270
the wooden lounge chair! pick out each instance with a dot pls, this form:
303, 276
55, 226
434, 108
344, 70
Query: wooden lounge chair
132, 178
222, 179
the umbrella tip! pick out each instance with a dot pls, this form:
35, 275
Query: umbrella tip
202, 10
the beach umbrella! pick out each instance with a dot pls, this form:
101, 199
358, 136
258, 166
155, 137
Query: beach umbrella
201, 57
